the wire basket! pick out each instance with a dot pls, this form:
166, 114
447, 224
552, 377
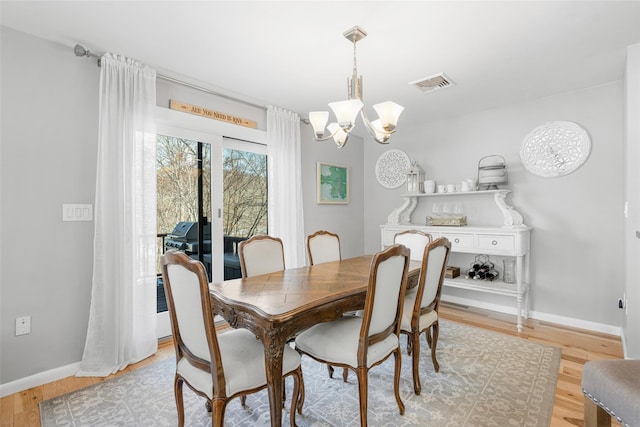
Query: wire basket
492, 171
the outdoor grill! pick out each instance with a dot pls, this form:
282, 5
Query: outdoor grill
184, 237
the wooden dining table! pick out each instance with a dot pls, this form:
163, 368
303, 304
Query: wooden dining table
277, 306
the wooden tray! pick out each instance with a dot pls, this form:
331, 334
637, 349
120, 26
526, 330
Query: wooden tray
456, 221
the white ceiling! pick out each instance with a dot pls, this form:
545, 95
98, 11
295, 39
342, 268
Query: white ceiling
293, 54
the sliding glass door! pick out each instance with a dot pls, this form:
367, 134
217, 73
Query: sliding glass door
188, 170
211, 195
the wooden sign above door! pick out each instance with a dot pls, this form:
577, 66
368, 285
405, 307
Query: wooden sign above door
210, 114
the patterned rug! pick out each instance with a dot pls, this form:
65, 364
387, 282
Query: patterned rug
485, 379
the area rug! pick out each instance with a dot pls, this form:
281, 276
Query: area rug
485, 379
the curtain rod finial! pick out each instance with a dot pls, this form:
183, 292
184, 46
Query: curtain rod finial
80, 51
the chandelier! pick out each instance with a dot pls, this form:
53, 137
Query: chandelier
347, 111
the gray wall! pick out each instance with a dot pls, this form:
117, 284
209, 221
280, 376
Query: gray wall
345, 220
632, 179
49, 134
576, 252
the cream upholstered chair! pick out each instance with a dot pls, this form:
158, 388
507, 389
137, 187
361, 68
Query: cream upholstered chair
261, 255
323, 246
420, 313
415, 240
218, 368
360, 343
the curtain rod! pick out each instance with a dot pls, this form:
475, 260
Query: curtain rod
81, 51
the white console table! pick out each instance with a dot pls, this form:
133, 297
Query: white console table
510, 240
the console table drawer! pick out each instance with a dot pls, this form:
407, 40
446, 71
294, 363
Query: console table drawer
500, 243
459, 241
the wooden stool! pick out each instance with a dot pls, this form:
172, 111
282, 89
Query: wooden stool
611, 389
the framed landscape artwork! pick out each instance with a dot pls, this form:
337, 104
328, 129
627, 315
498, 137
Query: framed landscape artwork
332, 184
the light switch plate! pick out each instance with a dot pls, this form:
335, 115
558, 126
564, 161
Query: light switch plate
76, 212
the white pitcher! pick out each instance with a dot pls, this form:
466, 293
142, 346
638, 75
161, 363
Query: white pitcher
471, 184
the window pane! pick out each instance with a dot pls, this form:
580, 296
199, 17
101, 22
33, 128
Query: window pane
183, 192
245, 202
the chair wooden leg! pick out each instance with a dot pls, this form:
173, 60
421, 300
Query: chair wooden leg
218, 413
396, 379
243, 400
594, 415
301, 392
434, 344
284, 392
177, 389
409, 344
345, 373
363, 388
415, 362
295, 396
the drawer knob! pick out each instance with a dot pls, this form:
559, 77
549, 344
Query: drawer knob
493, 242
457, 240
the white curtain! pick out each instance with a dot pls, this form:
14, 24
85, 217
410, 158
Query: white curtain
285, 183
122, 317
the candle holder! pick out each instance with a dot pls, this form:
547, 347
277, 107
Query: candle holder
415, 179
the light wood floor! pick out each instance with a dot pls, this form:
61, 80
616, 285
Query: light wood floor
578, 346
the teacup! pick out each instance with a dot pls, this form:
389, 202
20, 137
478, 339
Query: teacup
451, 188
442, 188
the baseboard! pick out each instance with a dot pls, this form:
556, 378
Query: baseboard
545, 317
577, 323
39, 379
624, 346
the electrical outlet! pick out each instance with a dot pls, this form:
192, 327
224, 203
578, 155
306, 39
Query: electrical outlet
23, 325
622, 303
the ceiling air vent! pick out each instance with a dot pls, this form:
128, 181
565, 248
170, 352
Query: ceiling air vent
429, 84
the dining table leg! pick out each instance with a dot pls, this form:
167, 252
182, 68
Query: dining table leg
273, 353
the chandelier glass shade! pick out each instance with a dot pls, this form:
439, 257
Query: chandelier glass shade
346, 112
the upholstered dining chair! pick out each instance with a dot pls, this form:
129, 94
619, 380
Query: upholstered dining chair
323, 246
415, 240
420, 312
216, 367
260, 254
360, 343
